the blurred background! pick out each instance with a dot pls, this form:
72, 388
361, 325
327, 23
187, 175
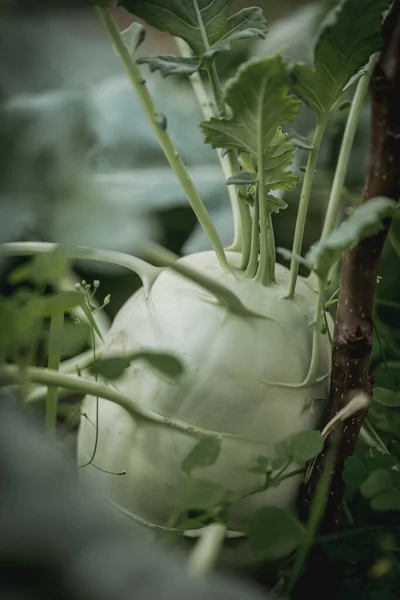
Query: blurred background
80, 165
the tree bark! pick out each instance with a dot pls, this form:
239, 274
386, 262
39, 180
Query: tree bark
353, 333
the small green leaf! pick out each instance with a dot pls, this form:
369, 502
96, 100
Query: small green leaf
366, 221
200, 494
263, 466
242, 178
386, 397
275, 204
110, 368
203, 24
260, 102
375, 459
387, 501
204, 454
278, 157
43, 269
298, 141
377, 482
355, 471
302, 446
274, 533
165, 363
90, 318
167, 64
113, 367
74, 336
64, 301
132, 37
350, 34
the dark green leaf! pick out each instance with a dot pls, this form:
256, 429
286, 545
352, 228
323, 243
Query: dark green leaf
113, 367
387, 501
377, 482
204, 454
258, 97
200, 494
203, 24
263, 466
274, 533
386, 397
366, 221
375, 459
242, 178
165, 363
348, 37
167, 64
302, 446
110, 368
355, 471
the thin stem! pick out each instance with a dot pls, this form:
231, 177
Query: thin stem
240, 212
11, 374
345, 150
229, 163
304, 201
394, 242
147, 273
316, 341
163, 137
54, 353
371, 429
205, 553
314, 522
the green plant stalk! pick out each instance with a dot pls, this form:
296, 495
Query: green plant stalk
304, 201
48, 377
314, 522
54, 354
251, 269
345, 150
316, 341
163, 137
240, 212
205, 553
266, 266
148, 273
396, 247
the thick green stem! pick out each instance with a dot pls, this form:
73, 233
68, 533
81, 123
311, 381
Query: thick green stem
240, 212
54, 354
345, 150
304, 201
207, 549
266, 267
163, 137
11, 374
255, 243
147, 273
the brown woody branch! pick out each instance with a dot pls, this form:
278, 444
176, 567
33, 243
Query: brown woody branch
353, 334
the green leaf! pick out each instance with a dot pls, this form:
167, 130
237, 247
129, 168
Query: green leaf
203, 24
263, 466
278, 157
204, 454
387, 501
64, 301
200, 494
303, 446
298, 141
386, 397
242, 178
375, 459
43, 269
260, 102
366, 221
377, 482
74, 337
348, 37
113, 367
167, 64
355, 471
274, 533
275, 204
165, 363
133, 37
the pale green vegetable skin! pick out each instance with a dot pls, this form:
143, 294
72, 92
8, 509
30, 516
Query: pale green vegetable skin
228, 361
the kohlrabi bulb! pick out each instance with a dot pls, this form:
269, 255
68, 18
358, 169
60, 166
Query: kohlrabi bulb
238, 372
